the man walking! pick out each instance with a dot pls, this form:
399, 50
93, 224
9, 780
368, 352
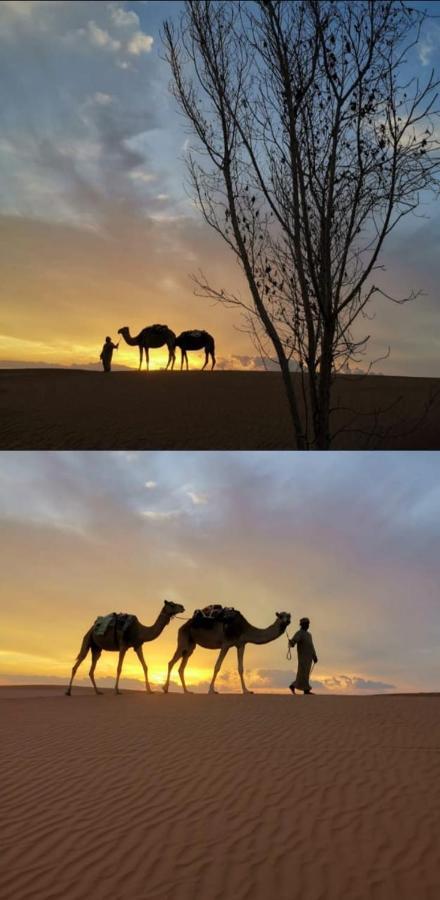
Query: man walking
306, 655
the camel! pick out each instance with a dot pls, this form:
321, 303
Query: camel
152, 336
196, 340
135, 635
213, 637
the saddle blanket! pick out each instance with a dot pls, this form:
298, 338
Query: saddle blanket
119, 621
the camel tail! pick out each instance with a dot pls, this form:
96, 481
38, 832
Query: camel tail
86, 644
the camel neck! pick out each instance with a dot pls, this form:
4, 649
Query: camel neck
264, 635
132, 341
150, 632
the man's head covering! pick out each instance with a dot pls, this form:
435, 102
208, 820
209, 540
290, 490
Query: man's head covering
108, 338
304, 621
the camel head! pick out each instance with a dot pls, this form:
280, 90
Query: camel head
124, 330
283, 619
171, 609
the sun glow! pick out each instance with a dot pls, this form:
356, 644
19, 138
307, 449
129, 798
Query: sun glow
41, 353
129, 356
63, 354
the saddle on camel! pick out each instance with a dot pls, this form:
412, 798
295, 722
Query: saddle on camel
211, 615
115, 625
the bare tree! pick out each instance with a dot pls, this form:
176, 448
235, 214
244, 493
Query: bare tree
311, 146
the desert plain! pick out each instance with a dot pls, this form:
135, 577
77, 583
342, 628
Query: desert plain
172, 797
62, 409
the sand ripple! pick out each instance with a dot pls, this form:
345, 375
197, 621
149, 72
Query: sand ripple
168, 797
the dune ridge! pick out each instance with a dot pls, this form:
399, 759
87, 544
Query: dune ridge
62, 409
219, 796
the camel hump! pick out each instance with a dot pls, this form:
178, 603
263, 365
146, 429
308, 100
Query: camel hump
197, 333
158, 327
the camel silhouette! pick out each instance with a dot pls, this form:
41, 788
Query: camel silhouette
196, 340
134, 636
214, 636
151, 337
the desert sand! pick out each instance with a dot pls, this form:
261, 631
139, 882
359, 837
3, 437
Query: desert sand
61, 409
224, 797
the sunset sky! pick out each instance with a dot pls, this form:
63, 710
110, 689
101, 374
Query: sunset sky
349, 539
96, 228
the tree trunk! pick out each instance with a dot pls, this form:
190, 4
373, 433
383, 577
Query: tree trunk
298, 425
322, 418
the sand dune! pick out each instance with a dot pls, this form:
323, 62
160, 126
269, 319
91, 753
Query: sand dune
50, 409
190, 797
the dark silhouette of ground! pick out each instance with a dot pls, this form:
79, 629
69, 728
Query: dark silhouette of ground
61, 409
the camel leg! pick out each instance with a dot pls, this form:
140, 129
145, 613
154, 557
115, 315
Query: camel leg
185, 657
181, 359
206, 360
76, 666
122, 653
213, 361
140, 357
217, 668
179, 652
141, 659
147, 357
240, 654
186, 360
96, 653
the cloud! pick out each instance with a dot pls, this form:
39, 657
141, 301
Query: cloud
88, 105
150, 485
350, 683
139, 175
124, 18
140, 43
281, 678
102, 99
26, 9
425, 49
99, 37
429, 43
251, 363
196, 498
48, 364
269, 678
160, 515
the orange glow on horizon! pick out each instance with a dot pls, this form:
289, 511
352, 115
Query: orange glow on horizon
36, 667
60, 355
